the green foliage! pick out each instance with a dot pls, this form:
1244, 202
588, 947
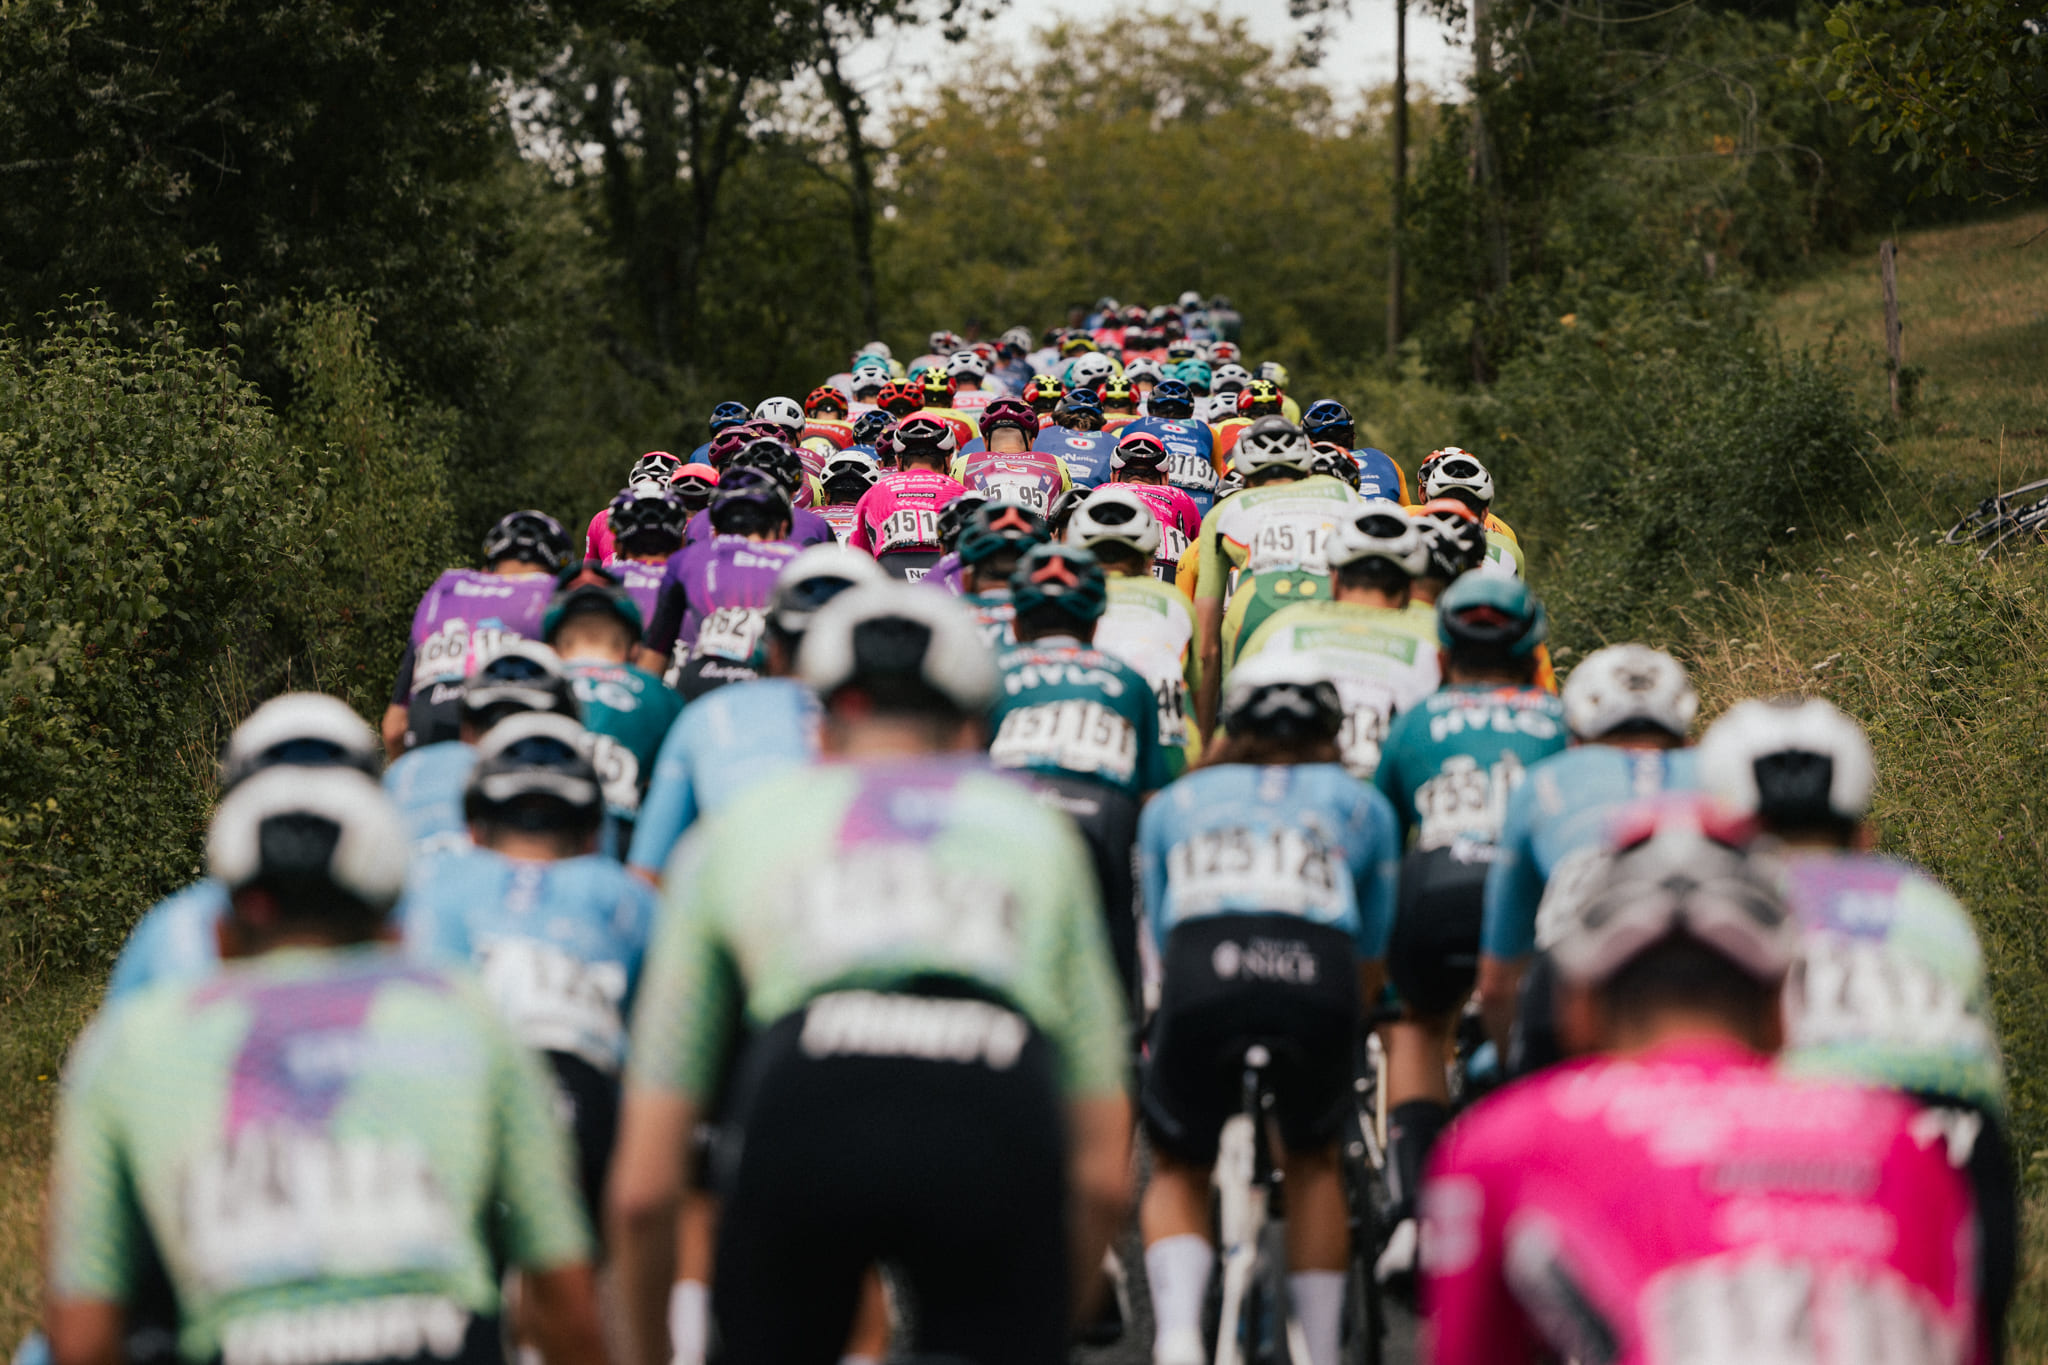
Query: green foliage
171, 556
1958, 91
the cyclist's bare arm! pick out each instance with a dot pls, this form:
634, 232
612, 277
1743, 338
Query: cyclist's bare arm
1209, 634
561, 1315
649, 1165
85, 1331
393, 730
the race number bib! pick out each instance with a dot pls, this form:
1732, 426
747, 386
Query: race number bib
277, 1203
1171, 696
557, 1002
1173, 543
1191, 469
877, 901
730, 633
1465, 800
1027, 490
1076, 736
908, 528
618, 772
1289, 544
1859, 991
441, 655
1745, 1309
1281, 870
1368, 709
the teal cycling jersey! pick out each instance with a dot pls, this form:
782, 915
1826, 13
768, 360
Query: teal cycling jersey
725, 741
317, 1142
1064, 708
994, 614
1452, 761
427, 785
632, 710
557, 944
174, 941
1308, 840
1556, 826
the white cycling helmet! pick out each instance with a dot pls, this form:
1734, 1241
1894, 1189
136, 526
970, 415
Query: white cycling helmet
944, 342
1229, 377
786, 413
1115, 516
966, 365
1272, 442
1144, 367
1452, 470
1672, 871
1019, 337
1379, 528
869, 380
879, 349
299, 730
1091, 369
1189, 300
309, 825
845, 462
1272, 371
1793, 762
1281, 693
893, 632
815, 577
1628, 686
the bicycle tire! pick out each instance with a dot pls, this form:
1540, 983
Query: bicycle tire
1990, 517
2032, 521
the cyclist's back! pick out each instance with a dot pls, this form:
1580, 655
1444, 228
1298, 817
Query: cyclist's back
1383, 661
897, 521
709, 622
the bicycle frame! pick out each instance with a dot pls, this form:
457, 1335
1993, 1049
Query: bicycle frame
1246, 1176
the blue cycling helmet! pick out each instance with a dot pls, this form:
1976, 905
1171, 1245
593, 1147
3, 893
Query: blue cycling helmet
1328, 420
1065, 577
869, 426
1490, 613
1171, 394
729, 415
1083, 398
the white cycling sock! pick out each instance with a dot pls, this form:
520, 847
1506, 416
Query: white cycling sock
1319, 1306
689, 1321
1178, 1269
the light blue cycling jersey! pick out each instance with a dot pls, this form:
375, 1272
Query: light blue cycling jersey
173, 942
558, 944
1308, 840
1555, 828
726, 741
427, 785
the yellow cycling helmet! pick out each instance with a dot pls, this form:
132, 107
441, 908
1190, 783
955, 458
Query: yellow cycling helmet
1260, 398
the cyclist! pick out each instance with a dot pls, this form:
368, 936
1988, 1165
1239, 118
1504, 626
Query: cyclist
1080, 720
595, 625
1225, 385
1225, 322
937, 387
1192, 462
692, 484
1268, 879
1628, 707
1458, 474
1376, 652
1262, 548
897, 521
1458, 544
1044, 393
1119, 403
646, 523
427, 783
1258, 398
175, 940
462, 619
993, 538
937, 902
1329, 420
1598, 1213
870, 433
1144, 374
707, 624
1890, 989
870, 376
848, 477
1079, 439
899, 400
555, 931
723, 417
1451, 765
967, 369
336, 1150
1146, 624
772, 457
1009, 468
1139, 464
656, 466
828, 416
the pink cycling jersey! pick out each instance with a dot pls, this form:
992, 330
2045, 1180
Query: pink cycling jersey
597, 540
900, 514
1693, 1206
1180, 521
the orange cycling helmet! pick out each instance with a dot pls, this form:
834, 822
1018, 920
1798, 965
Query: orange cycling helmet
1260, 398
899, 400
825, 396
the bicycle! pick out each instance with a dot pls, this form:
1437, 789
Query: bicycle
1996, 522
1256, 1324
1368, 1200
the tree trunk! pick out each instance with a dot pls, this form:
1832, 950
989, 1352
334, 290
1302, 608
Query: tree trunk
1396, 284
712, 154
1486, 185
861, 183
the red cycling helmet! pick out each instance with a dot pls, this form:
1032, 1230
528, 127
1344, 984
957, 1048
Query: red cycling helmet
825, 396
899, 400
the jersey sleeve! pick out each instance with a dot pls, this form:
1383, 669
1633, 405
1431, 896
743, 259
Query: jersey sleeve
862, 537
541, 1217
1514, 884
95, 1221
670, 806
690, 988
1212, 565
1389, 777
670, 604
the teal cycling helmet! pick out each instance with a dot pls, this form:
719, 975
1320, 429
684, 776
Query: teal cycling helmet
994, 527
588, 588
1491, 613
1063, 577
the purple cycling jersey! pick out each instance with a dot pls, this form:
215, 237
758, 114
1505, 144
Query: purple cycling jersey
462, 617
806, 528
713, 597
643, 583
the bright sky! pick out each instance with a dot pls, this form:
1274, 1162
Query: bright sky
900, 67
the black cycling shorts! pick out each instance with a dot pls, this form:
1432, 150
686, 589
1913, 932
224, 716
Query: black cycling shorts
1232, 980
924, 1132
1433, 950
434, 715
590, 1100
1108, 820
910, 565
1533, 1041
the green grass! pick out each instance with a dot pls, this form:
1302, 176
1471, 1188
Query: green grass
38, 1020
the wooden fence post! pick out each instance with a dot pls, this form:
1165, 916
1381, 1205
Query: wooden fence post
1888, 268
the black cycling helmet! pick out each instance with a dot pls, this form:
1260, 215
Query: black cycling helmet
775, 459
529, 536
1455, 537
582, 589
522, 676
870, 426
532, 774
749, 501
1171, 398
1329, 420
1281, 696
953, 516
649, 519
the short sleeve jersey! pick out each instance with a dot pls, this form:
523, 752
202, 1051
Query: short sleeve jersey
1555, 828
462, 617
1451, 763
1151, 627
1065, 709
1693, 1205
558, 945
1891, 987
714, 598
913, 868
900, 514
309, 1137
1308, 840
806, 528
1382, 660
726, 741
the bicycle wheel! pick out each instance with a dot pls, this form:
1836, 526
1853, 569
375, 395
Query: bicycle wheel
1365, 1190
1991, 516
2017, 528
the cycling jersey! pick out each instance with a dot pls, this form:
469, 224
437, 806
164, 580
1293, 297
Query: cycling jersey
174, 941
1504, 557
426, 784
1382, 660
972, 402
806, 528
1030, 479
1554, 830
597, 537
558, 945
1274, 527
916, 869
840, 517
628, 712
994, 612
1690, 1205
1151, 627
1190, 455
714, 596
1085, 454
1379, 476
945, 573
725, 741
1180, 521
1451, 763
1065, 708
1308, 840
897, 521
1228, 429
642, 580
327, 1146
831, 429
964, 427
462, 617
1891, 988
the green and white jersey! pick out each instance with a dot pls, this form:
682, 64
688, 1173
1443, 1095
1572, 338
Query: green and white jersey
1503, 557
1067, 709
317, 1141
869, 876
1382, 659
1150, 626
1273, 528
